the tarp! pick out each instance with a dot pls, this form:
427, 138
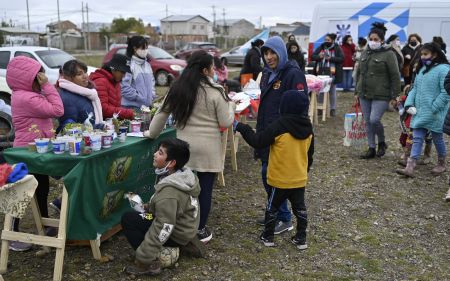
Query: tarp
263, 35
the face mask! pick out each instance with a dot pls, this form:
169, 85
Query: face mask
413, 43
215, 77
162, 171
427, 61
327, 44
397, 43
142, 53
373, 45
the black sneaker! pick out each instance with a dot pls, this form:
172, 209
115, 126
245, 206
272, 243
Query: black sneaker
266, 241
299, 242
204, 235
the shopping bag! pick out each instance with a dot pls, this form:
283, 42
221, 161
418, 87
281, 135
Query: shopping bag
355, 128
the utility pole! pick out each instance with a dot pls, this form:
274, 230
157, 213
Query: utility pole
225, 28
88, 33
260, 22
214, 23
61, 44
83, 28
167, 11
28, 16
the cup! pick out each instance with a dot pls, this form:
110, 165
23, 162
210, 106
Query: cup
135, 126
59, 146
32, 146
122, 137
123, 129
75, 146
106, 140
75, 131
96, 142
41, 145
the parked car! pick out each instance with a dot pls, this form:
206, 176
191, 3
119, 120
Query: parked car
5, 91
187, 50
50, 58
165, 67
233, 56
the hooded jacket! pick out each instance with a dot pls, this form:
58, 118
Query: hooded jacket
252, 62
29, 107
274, 83
110, 94
176, 214
297, 56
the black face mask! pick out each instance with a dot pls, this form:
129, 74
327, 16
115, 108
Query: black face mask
413, 43
327, 44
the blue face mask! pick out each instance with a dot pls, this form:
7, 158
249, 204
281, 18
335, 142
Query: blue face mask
427, 62
215, 77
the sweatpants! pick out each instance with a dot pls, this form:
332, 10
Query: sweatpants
297, 198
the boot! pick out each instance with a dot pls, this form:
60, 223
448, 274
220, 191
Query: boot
404, 157
441, 166
382, 146
139, 268
369, 154
409, 170
447, 196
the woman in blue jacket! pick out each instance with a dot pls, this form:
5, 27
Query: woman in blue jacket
428, 103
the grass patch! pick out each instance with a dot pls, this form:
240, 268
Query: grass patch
91, 60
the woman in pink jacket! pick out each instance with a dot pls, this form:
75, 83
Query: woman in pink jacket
34, 101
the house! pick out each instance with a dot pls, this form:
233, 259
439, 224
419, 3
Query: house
235, 28
282, 29
301, 34
18, 36
95, 38
71, 35
179, 29
64, 24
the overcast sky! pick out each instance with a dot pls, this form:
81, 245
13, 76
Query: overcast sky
271, 11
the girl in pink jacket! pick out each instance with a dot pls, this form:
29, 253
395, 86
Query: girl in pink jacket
34, 101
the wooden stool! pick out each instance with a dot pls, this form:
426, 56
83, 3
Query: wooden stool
228, 138
314, 107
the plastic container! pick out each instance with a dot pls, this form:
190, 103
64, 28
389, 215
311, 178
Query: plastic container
75, 146
135, 126
122, 137
42, 145
107, 140
96, 142
59, 146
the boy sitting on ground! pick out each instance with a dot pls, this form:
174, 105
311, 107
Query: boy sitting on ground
173, 216
291, 142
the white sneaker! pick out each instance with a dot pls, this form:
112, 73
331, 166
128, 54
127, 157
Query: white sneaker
447, 196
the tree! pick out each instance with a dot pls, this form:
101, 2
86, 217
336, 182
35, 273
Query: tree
121, 25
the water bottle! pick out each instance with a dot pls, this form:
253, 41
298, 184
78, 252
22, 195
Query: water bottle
169, 122
401, 109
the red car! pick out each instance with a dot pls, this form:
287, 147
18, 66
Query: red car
165, 67
187, 50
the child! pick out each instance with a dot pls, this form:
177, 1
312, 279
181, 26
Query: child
291, 142
173, 216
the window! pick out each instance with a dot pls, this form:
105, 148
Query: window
202, 27
194, 27
4, 59
25, 54
54, 58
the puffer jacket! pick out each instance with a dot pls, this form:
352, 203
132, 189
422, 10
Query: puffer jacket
110, 95
429, 97
377, 75
176, 213
29, 107
76, 108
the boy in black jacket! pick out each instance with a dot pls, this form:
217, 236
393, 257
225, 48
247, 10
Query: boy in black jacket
291, 142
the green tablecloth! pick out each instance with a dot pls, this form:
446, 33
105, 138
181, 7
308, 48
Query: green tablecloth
96, 183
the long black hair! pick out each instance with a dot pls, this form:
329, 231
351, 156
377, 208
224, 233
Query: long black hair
137, 42
440, 58
70, 68
182, 96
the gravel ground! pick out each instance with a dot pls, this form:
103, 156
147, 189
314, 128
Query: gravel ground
365, 223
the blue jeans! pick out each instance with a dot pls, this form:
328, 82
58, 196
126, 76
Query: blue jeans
347, 81
373, 110
283, 212
418, 139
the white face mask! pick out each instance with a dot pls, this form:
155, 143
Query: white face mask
142, 53
397, 43
162, 171
373, 45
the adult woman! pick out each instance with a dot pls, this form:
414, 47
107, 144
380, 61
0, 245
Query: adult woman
295, 53
378, 83
78, 95
362, 43
199, 107
34, 101
222, 76
329, 58
441, 43
393, 42
252, 61
348, 49
411, 53
428, 103
138, 87
107, 83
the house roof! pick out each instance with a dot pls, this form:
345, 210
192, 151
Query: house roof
301, 30
17, 30
182, 18
95, 26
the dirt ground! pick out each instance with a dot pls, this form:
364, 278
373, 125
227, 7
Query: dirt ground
365, 223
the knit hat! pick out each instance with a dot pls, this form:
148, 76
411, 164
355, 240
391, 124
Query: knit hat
119, 62
294, 102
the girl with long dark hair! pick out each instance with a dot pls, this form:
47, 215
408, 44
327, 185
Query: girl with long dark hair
199, 107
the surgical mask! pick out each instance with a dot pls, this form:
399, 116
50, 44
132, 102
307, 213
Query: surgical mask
413, 43
374, 45
162, 171
142, 53
327, 44
427, 61
215, 77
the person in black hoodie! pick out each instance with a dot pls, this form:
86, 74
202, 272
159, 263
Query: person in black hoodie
252, 60
291, 142
295, 54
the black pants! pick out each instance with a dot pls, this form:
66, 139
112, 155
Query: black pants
41, 194
135, 227
206, 180
297, 198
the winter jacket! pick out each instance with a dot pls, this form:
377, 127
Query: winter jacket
202, 130
377, 75
176, 214
430, 98
398, 55
287, 76
447, 116
348, 51
337, 60
76, 108
252, 62
29, 107
291, 142
138, 87
408, 63
109, 93
298, 56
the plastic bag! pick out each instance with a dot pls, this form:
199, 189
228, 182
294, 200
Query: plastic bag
355, 128
87, 123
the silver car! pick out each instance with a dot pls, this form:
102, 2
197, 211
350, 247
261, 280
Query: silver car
233, 56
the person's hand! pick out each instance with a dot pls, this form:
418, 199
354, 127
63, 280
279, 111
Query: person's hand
394, 103
321, 55
235, 123
41, 78
408, 57
412, 110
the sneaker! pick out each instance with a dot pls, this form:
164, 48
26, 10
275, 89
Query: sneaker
282, 226
266, 241
204, 235
333, 113
51, 231
261, 221
300, 243
56, 205
17, 246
